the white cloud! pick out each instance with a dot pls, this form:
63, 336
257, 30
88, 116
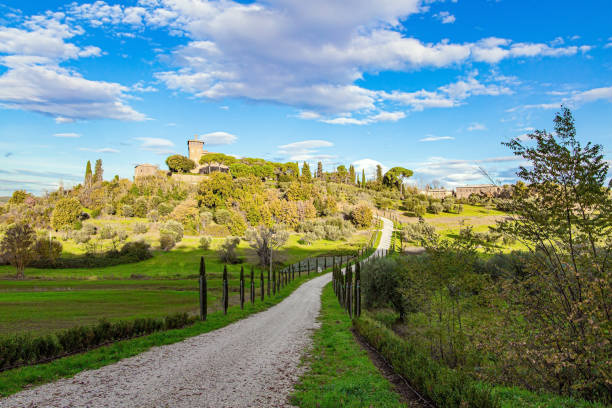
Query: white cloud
156, 145
219, 138
379, 117
307, 150
100, 150
67, 135
476, 126
436, 138
369, 165
445, 17
35, 81
320, 49
575, 100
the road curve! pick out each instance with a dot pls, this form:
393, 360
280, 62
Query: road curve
251, 363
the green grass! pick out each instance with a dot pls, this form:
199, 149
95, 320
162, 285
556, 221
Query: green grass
183, 261
468, 211
13, 381
341, 373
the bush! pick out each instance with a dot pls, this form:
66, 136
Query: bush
107, 232
173, 228
89, 229
307, 239
24, 349
137, 250
215, 230
227, 251
180, 164
435, 208
81, 237
444, 386
381, 284
222, 217
362, 216
153, 215
205, 242
47, 250
127, 210
65, 213
166, 241
237, 226
140, 228
165, 209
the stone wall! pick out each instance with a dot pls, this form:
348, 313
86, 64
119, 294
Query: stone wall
488, 189
189, 178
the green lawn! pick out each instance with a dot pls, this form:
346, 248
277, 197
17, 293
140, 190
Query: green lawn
468, 211
340, 373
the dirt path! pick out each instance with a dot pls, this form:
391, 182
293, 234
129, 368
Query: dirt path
251, 363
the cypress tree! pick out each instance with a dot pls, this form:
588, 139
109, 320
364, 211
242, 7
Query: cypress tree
319, 170
363, 179
98, 172
252, 285
203, 294
352, 174
225, 290
242, 287
262, 286
306, 174
379, 175
88, 175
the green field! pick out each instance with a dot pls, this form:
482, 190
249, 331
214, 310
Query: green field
53, 299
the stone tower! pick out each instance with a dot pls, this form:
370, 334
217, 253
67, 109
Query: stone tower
196, 149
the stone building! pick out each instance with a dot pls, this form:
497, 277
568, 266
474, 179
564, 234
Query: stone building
196, 151
144, 170
438, 193
490, 190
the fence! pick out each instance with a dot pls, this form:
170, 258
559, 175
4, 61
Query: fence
347, 283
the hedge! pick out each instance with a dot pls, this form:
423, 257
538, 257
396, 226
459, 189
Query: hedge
444, 386
25, 349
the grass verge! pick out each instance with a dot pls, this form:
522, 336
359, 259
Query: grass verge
13, 381
341, 373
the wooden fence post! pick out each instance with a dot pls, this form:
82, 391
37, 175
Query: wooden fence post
274, 281
262, 286
268, 282
241, 287
252, 285
308, 270
225, 290
202, 287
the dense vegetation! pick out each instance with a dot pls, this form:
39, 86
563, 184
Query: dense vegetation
538, 318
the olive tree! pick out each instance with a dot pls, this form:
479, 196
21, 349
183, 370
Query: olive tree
266, 239
17, 246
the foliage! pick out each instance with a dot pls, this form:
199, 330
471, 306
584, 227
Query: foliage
266, 239
227, 250
141, 228
18, 197
362, 216
563, 218
47, 250
166, 242
65, 213
205, 242
26, 350
237, 226
215, 191
381, 282
394, 178
173, 228
16, 246
446, 387
180, 164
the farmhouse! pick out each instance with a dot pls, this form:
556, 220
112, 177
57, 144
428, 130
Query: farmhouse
195, 148
484, 189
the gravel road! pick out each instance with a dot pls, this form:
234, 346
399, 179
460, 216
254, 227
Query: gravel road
251, 363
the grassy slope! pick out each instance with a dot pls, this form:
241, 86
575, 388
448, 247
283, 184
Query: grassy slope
341, 373
16, 380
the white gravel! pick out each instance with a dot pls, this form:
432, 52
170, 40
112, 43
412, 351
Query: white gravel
251, 363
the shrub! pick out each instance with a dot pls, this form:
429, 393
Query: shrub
362, 216
237, 226
222, 217
227, 251
173, 228
381, 283
81, 237
24, 349
140, 228
206, 218
435, 208
307, 239
48, 250
215, 230
165, 209
137, 250
127, 210
153, 215
107, 232
140, 207
180, 164
65, 213
89, 229
166, 241
205, 242
446, 387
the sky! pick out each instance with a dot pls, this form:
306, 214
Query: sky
433, 86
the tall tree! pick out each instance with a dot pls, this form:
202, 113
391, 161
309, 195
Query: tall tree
342, 173
379, 173
562, 215
306, 174
88, 175
352, 174
319, 170
16, 246
363, 179
98, 172
394, 178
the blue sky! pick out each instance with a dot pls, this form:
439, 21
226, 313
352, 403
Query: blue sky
434, 86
